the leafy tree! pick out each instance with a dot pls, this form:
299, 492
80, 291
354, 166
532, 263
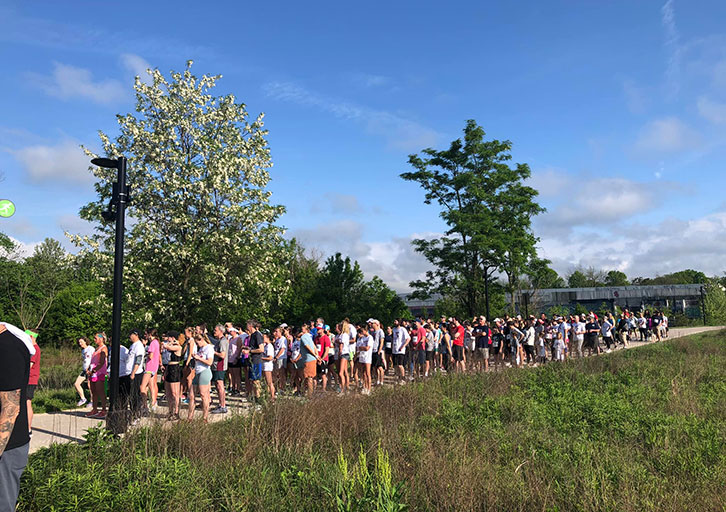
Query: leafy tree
204, 242
381, 302
74, 313
714, 302
32, 285
487, 209
687, 276
340, 283
298, 303
586, 278
577, 280
616, 278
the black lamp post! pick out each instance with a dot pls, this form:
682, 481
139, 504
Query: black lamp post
115, 419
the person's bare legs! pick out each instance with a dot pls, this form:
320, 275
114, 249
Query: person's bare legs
145, 380
192, 403
206, 400
270, 385
79, 387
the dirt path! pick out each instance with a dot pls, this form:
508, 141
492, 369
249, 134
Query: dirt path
70, 426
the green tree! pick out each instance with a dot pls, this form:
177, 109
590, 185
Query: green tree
381, 302
714, 302
487, 209
204, 243
577, 280
32, 285
74, 313
616, 278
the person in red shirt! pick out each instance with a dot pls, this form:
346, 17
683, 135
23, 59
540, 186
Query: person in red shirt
420, 348
322, 343
33, 379
458, 344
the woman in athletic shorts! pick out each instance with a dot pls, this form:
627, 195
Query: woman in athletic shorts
173, 373
87, 354
188, 350
445, 349
280, 360
344, 350
153, 359
97, 376
203, 359
364, 351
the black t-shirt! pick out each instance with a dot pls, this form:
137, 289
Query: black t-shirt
589, 326
481, 333
256, 342
14, 374
497, 339
656, 321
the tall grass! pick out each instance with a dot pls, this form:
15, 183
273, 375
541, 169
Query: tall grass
643, 429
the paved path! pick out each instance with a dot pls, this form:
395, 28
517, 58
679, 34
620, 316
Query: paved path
71, 425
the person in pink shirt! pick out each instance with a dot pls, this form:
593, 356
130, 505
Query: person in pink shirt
34, 376
153, 358
97, 372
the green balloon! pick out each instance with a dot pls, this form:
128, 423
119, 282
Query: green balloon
7, 208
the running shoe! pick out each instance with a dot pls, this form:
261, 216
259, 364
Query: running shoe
81, 403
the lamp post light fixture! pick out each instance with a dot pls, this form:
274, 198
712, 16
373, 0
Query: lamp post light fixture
115, 420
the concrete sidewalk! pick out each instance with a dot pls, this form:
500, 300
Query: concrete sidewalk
70, 426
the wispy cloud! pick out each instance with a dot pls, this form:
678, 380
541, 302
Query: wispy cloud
673, 48
68, 82
714, 111
137, 65
399, 131
371, 80
62, 162
666, 136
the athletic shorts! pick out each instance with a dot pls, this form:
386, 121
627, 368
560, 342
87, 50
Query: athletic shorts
388, 351
237, 364
281, 363
30, 391
203, 378
458, 352
254, 372
495, 349
421, 357
219, 375
83, 374
430, 355
322, 368
377, 360
310, 369
172, 373
484, 352
399, 359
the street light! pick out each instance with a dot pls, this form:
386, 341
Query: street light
120, 196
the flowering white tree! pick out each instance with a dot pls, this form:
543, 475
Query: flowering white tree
203, 242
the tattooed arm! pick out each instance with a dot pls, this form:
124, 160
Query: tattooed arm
9, 410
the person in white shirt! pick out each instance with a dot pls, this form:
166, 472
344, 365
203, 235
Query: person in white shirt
86, 354
268, 364
364, 350
579, 327
343, 340
400, 342
135, 368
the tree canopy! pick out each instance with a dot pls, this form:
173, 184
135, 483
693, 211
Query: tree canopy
488, 211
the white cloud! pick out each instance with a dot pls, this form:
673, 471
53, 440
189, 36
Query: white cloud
394, 261
67, 82
645, 250
712, 110
665, 136
23, 250
65, 161
400, 132
137, 65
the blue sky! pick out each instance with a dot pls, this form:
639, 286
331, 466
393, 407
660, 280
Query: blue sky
618, 107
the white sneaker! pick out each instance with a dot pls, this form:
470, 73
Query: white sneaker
82, 402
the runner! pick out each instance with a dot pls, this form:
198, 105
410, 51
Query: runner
364, 350
203, 359
268, 364
400, 341
221, 360
86, 354
97, 372
173, 373
280, 360
153, 359
33, 378
310, 359
323, 345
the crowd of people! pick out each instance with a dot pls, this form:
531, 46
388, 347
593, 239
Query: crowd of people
249, 361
